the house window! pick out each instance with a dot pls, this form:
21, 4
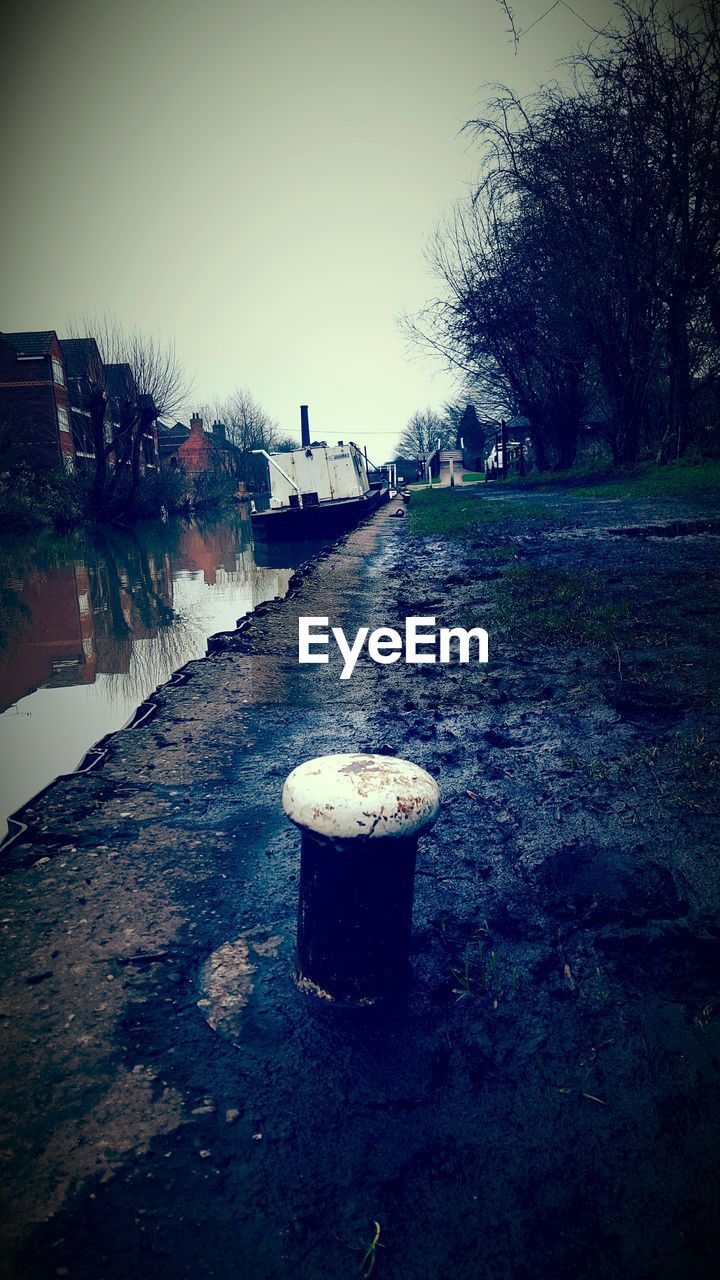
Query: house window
63, 420
58, 375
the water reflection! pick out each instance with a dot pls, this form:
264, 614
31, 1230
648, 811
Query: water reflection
90, 626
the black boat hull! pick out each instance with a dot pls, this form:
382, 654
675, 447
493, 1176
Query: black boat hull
318, 521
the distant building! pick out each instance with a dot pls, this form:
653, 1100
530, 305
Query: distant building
198, 452
170, 437
34, 400
231, 454
196, 449
408, 469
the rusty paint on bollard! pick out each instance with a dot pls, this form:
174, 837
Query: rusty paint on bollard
360, 816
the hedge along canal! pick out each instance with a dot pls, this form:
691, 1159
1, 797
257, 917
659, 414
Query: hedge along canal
91, 626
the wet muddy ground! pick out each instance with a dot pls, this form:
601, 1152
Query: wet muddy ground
545, 1104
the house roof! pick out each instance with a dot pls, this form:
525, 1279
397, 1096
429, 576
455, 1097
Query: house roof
170, 436
175, 431
34, 343
226, 445
119, 380
80, 355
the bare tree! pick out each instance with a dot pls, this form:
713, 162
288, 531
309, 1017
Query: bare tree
502, 318
425, 431
128, 381
662, 74
585, 264
248, 425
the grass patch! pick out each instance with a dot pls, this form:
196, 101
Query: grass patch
603, 480
673, 481
450, 513
588, 473
685, 771
551, 606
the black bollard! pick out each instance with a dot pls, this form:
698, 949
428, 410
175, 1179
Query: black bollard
360, 818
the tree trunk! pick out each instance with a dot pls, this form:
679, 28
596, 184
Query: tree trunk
679, 358
539, 446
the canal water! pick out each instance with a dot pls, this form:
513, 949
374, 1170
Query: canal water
90, 625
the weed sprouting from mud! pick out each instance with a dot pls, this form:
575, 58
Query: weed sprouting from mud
465, 981
481, 973
555, 607
367, 1266
685, 770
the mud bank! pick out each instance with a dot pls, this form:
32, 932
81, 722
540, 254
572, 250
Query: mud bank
545, 1104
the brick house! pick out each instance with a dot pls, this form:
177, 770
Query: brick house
199, 452
123, 401
56, 636
84, 371
34, 400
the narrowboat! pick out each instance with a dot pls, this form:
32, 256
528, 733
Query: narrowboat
316, 490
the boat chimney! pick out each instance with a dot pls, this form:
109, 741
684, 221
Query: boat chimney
304, 427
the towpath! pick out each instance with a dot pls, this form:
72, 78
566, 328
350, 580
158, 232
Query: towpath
546, 1103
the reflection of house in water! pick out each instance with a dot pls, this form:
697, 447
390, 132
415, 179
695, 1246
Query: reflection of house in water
72, 623
54, 645
225, 559
208, 550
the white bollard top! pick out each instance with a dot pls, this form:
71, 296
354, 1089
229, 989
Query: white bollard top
353, 795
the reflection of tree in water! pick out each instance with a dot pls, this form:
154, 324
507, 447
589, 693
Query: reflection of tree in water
132, 592
152, 662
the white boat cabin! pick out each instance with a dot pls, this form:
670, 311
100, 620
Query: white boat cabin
316, 475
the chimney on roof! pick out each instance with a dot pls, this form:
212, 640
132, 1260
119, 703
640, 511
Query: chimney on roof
219, 430
196, 422
304, 426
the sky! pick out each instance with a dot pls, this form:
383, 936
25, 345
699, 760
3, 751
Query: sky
256, 182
